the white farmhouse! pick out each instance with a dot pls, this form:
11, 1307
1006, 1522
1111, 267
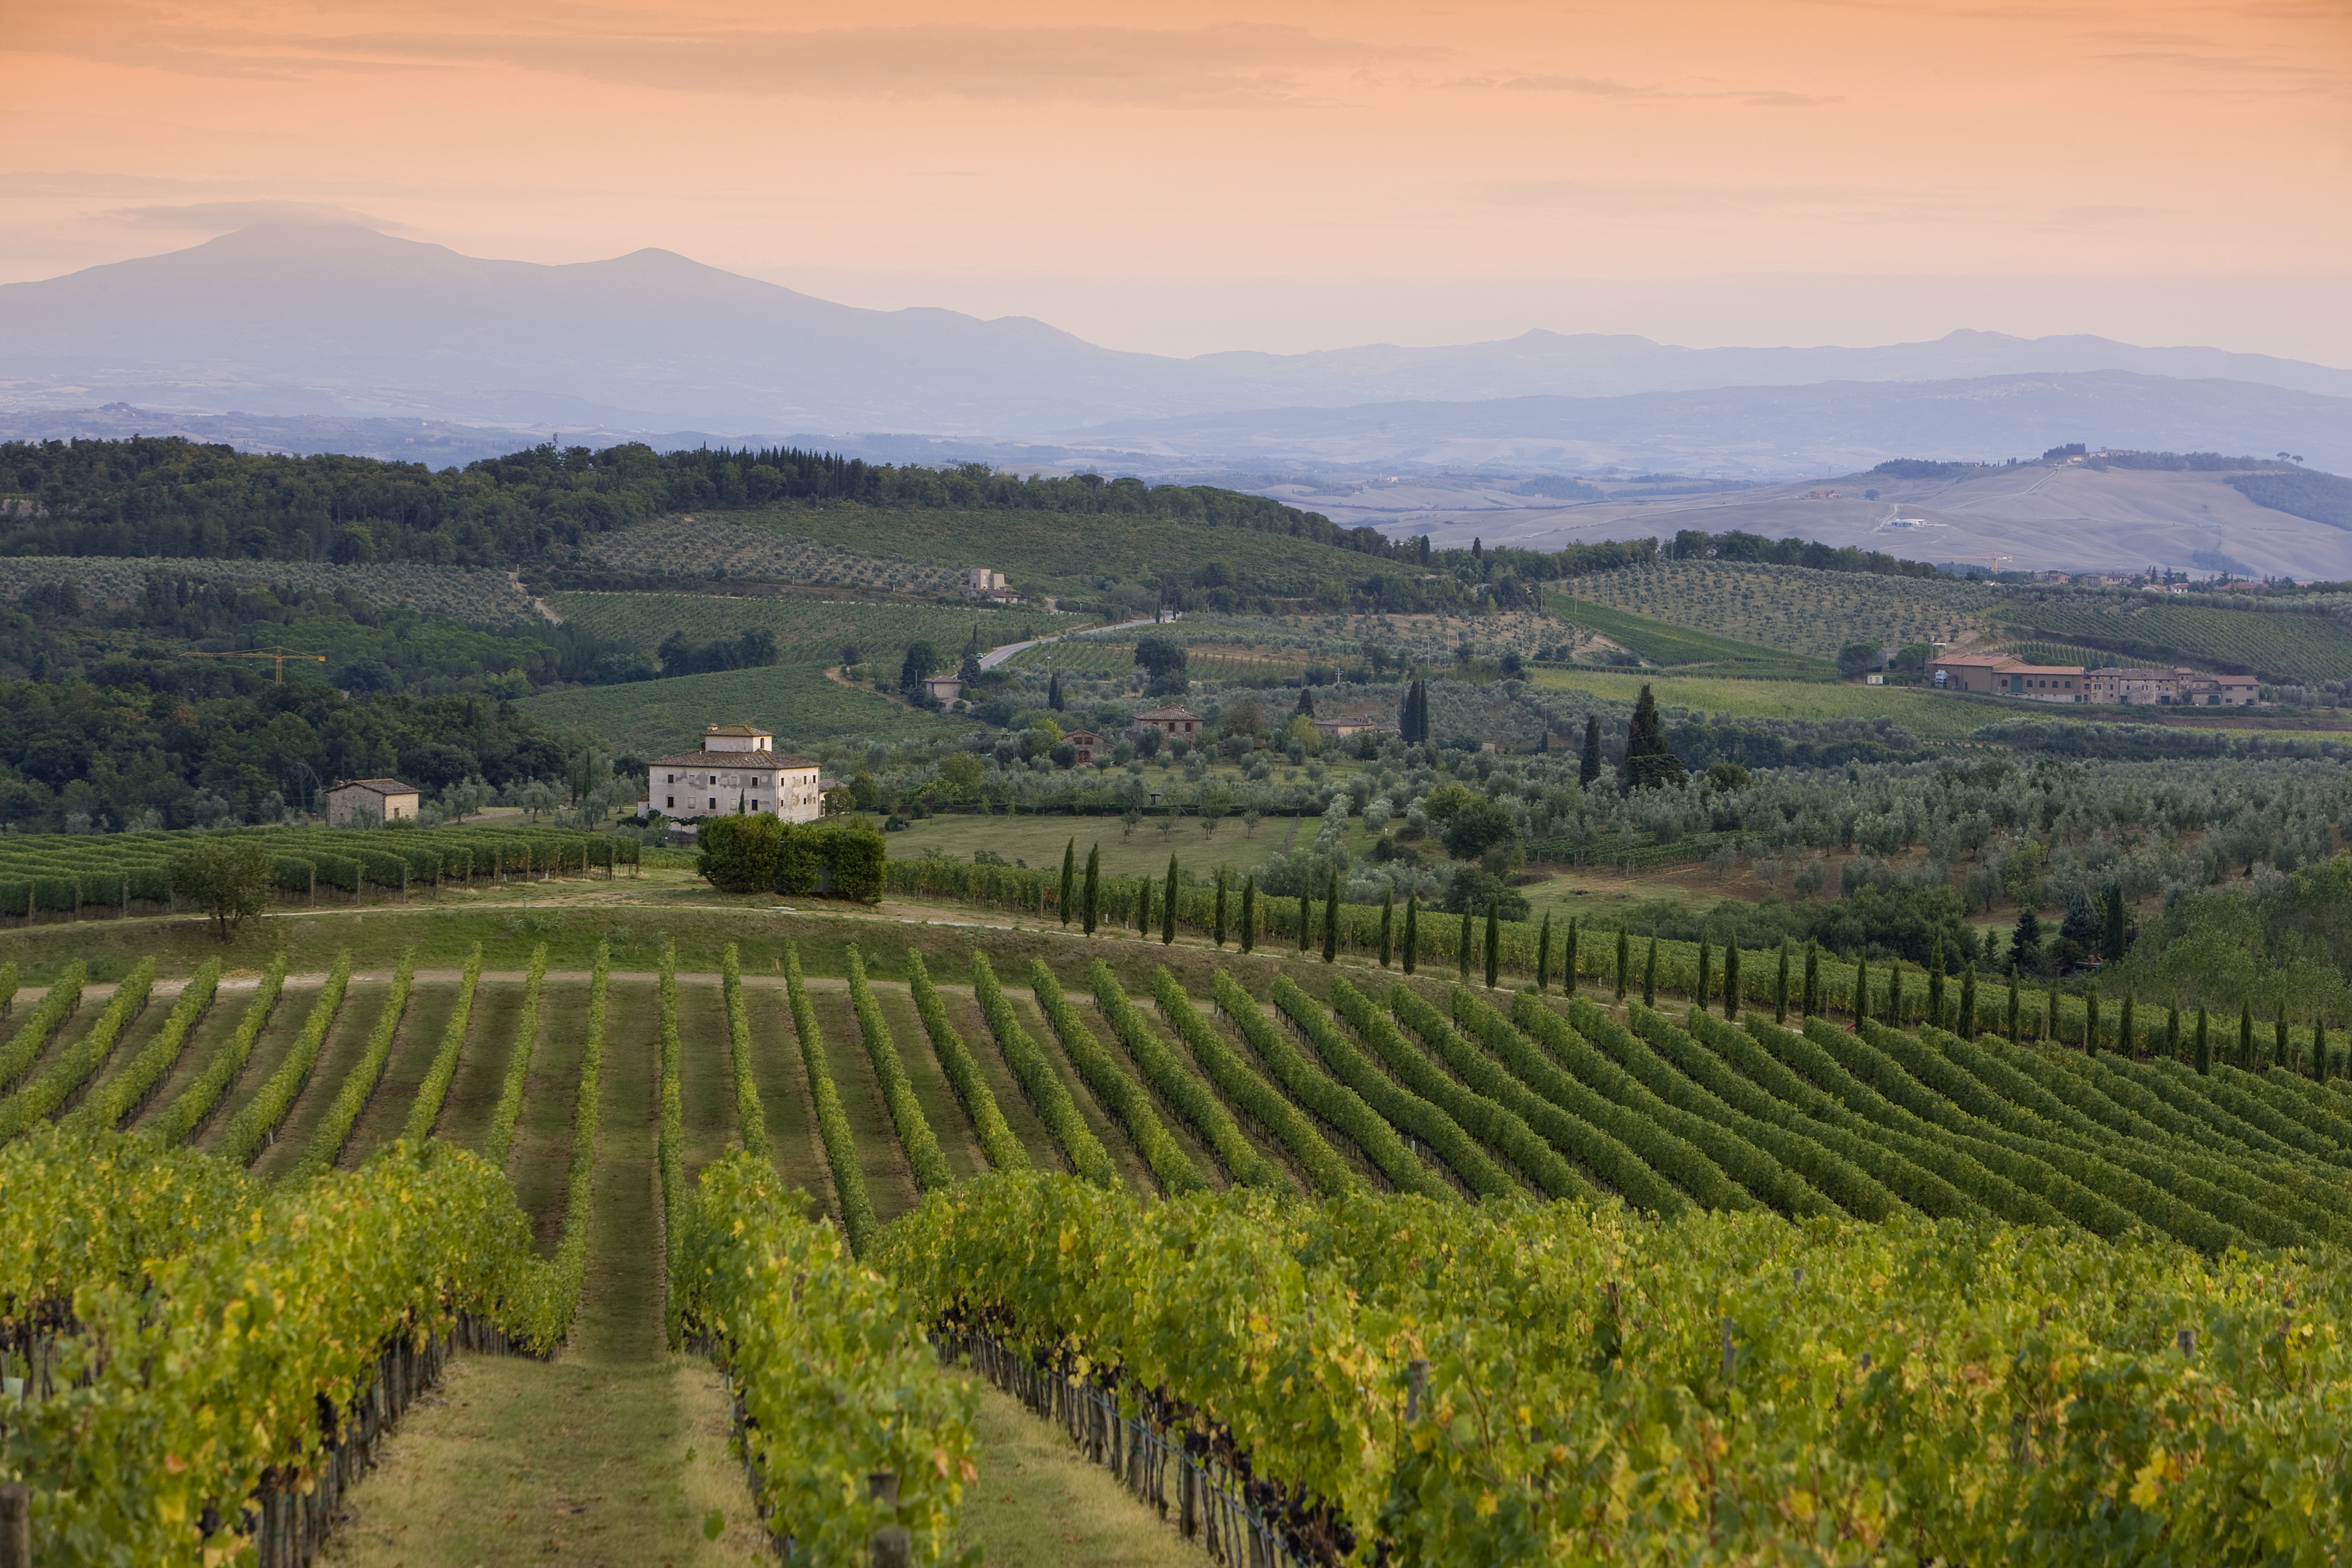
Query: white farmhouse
738, 768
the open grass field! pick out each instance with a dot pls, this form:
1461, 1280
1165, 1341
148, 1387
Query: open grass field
657, 717
1184, 1067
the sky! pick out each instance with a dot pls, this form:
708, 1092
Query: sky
1280, 175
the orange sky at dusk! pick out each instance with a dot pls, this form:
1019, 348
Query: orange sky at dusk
1278, 175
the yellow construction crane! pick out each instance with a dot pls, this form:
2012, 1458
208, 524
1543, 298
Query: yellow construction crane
278, 655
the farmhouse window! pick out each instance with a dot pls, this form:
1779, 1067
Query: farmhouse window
670, 801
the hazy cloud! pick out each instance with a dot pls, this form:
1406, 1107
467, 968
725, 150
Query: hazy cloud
1594, 87
1237, 65
222, 217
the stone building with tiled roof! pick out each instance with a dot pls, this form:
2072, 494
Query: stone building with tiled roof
363, 803
737, 769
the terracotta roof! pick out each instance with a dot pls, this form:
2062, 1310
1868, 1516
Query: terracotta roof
1167, 714
380, 786
737, 731
735, 762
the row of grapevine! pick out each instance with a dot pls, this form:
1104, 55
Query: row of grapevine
1332, 1103
1047, 1093
57, 1006
1489, 1383
232, 1351
1326, 1170
1117, 1092
127, 1091
857, 1221
334, 1129
509, 1109
750, 1118
42, 1095
1180, 1089
1497, 1128
194, 1105
915, 1135
834, 1380
424, 1110
1002, 1150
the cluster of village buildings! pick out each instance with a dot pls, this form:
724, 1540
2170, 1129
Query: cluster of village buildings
2007, 675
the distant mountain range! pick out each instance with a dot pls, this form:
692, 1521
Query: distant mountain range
339, 324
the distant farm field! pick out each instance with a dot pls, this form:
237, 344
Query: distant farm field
795, 701
1930, 716
1061, 550
807, 631
2309, 651
1794, 608
1668, 642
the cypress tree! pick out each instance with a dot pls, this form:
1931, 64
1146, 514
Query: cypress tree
2246, 1037
1935, 982
1810, 1006
2012, 1005
1893, 1019
1249, 914
2204, 1043
1568, 961
1494, 942
2127, 1027
1543, 955
1589, 768
1412, 953
1624, 960
1705, 993
1054, 692
1331, 920
1094, 887
1731, 997
2091, 1022
1650, 976
1968, 1019
1780, 986
2113, 937
1388, 924
2318, 1049
2282, 1059
1143, 906
1219, 931
1069, 876
1168, 906
2172, 1031
1306, 913
1861, 986
1648, 763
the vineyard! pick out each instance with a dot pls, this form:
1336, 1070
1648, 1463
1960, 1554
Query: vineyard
71, 875
1671, 1251
1794, 608
807, 631
2298, 649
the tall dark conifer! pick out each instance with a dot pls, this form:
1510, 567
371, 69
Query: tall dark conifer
1648, 764
1412, 954
1568, 961
1249, 914
1218, 933
1543, 955
1731, 979
1588, 769
1093, 895
1494, 942
1167, 905
1069, 878
1387, 925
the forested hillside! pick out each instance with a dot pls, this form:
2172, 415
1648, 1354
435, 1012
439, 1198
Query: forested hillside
171, 496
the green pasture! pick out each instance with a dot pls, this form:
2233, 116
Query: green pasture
1661, 642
